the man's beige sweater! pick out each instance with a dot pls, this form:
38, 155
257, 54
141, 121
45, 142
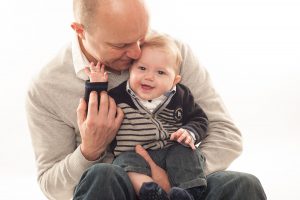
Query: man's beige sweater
51, 106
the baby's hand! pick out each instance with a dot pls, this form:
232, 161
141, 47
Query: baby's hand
183, 137
96, 73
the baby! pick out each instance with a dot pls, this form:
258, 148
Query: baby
162, 117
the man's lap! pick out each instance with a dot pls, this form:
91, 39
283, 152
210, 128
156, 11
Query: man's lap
220, 185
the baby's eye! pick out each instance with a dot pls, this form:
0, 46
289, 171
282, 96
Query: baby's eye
142, 68
161, 72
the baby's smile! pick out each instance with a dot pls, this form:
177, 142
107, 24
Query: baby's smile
146, 87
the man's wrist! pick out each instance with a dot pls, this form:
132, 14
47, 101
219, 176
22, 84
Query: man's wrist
91, 156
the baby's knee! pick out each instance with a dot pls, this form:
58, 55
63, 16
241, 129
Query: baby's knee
129, 158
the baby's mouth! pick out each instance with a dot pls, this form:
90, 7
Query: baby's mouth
146, 87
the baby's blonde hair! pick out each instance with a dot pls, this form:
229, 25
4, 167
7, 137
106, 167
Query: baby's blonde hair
166, 43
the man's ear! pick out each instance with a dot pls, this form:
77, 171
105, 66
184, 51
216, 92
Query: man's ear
78, 28
177, 79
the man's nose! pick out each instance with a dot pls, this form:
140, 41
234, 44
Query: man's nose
134, 51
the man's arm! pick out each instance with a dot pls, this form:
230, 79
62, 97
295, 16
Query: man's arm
60, 162
223, 143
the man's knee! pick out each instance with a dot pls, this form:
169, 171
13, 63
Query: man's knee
105, 181
236, 185
251, 179
233, 177
251, 182
246, 179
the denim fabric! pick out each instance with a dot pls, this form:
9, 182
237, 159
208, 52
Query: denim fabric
229, 185
132, 162
104, 182
183, 165
110, 182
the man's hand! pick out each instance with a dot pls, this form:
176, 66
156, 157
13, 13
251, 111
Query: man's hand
98, 128
158, 174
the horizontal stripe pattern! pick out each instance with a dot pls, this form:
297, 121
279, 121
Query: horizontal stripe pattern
139, 127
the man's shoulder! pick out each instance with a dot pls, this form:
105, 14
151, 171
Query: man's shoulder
56, 89
59, 66
56, 75
59, 63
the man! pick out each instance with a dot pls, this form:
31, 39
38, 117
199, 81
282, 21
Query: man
71, 149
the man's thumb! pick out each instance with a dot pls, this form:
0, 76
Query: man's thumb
142, 152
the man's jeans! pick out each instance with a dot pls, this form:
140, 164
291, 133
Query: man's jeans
110, 182
183, 165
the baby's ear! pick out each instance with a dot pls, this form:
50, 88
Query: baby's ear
177, 79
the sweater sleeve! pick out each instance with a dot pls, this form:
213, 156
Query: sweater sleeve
59, 171
94, 86
194, 118
223, 143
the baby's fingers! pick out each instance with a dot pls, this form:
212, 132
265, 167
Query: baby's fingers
87, 71
105, 76
182, 137
98, 67
102, 67
188, 140
92, 65
175, 135
192, 145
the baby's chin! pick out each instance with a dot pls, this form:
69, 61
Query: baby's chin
147, 98
144, 98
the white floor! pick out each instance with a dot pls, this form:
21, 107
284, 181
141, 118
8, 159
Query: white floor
251, 48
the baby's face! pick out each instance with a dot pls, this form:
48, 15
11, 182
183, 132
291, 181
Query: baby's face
153, 74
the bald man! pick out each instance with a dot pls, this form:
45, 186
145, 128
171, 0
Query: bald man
72, 146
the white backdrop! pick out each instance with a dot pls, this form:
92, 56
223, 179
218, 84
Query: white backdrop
250, 47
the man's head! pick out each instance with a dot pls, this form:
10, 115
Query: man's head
111, 31
157, 70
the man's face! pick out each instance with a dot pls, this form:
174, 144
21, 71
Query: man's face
115, 39
153, 74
